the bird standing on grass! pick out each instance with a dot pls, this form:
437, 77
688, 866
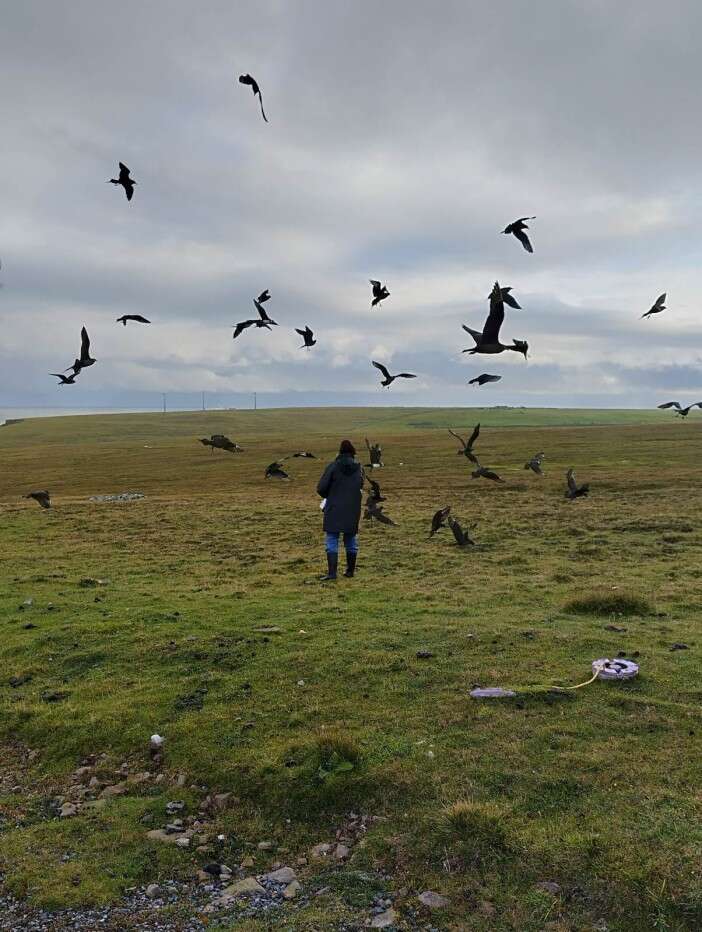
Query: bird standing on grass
124, 179
220, 442
462, 537
574, 490
253, 84
42, 497
439, 519
375, 452
517, 228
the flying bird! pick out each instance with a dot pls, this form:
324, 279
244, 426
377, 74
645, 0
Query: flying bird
264, 296
467, 445
262, 311
220, 442
657, 306
462, 537
534, 464
276, 471
481, 471
488, 341
137, 318
245, 324
85, 359
508, 298
42, 497
380, 292
439, 519
124, 179
308, 336
517, 228
374, 495
375, 512
484, 379
683, 412
389, 379
574, 490
65, 379
253, 84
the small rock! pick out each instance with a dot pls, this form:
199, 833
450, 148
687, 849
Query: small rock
321, 851
291, 891
433, 900
384, 920
153, 890
244, 887
221, 800
248, 861
549, 886
282, 875
183, 842
67, 810
341, 852
174, 806
117, 789
158, 834
181, 781
266, 845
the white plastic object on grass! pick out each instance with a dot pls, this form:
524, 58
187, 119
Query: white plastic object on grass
156, 742
492, 692
606, 669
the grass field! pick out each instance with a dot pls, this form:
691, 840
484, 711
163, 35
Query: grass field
598, 791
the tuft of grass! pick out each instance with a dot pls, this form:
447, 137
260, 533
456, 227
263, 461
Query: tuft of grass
476, 830
609, 603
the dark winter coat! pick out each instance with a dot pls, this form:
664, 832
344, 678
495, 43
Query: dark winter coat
341, 485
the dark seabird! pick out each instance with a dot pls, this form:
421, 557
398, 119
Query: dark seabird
534, 464
258, 304
85, 358
305, 454
517, 228
220, 442
375, 512
467, 446
508, 298
488, 341
462, 537
683, 412
656, 307
484, 379
574, 490
481, 471
375, 452
245, 324
374, 495
276, 471
389, 379
65, 379
253, 84
439, 519
308, 336
380, 292
124, 179
42, 497
137, 318
264, 296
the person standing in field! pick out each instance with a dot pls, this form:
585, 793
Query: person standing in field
341, 485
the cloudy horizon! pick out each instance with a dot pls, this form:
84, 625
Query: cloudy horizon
402, 138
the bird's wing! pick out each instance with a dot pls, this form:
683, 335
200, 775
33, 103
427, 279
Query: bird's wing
261, 310
474, 436
263, 112
123, 170
301, 332
660, 301
491, 330
379, 365
141, 320
241, 326
508, 299
457, 531
524, 239
570, 478
309, 331
405, 375
129, 190
375, 284
84, 345
264, 296
670, 404
460, 439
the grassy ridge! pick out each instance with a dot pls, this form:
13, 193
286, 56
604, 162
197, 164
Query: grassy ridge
598, 791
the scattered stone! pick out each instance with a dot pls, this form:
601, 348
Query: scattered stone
549, 886
183, 842
67, 810
385, 919
291, 891
180, 782
248, 861
492, 692
175, 827
174, 806
266, 845
221, 800
244, 887
158, 834
153, 890
433, 900
282, 875
321, 851
341, 852
119, 497
117, 789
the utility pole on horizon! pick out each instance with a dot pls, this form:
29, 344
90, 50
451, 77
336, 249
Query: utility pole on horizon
163, 395
203, 401
254, 401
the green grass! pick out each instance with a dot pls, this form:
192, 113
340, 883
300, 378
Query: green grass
479, 800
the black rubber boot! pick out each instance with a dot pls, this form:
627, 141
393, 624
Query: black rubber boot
332, 564
350, 564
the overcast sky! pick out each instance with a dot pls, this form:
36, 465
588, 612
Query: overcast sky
403, 137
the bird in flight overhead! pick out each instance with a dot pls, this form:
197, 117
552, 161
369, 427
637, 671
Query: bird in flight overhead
484, 378
253, 84
389, 379
137, 318
481, 471
308, 336
65, 379
534, 464
245, 324
258, 304
124, 179
517, 228
462, 537
467, 445
488, 341
85, 358
42, 497
508, 298
439, 519
657, 306
380, 292
276, 471
574, 490
683, 412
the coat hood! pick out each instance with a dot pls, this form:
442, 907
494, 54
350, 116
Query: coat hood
347, 464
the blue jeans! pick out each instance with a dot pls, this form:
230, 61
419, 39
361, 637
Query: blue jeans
350, 542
